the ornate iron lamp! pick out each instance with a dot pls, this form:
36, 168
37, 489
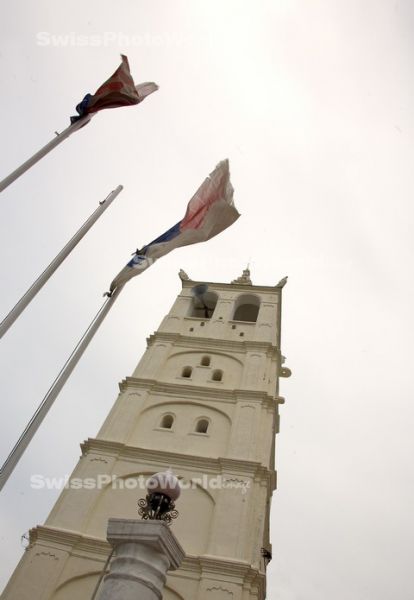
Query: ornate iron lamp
159, 503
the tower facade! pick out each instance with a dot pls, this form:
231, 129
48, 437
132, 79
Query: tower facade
204, 401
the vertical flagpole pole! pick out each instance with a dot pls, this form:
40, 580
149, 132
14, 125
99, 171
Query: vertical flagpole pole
56, 262
60, 137
47, 402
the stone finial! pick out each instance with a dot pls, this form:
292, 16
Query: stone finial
183, 275
244, 278
282, 282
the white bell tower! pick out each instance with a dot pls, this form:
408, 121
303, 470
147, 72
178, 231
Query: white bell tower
204, 401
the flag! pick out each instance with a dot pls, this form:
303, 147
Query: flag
210, 211
118, 90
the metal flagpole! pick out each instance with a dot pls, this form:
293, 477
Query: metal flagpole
43, 151
53, 392
56, 262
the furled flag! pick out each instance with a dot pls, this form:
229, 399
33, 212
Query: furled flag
210, 211
118, 90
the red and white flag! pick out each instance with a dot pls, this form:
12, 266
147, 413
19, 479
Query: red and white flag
210, 211
118, 90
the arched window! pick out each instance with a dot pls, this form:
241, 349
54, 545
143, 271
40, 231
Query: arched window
217, 375
186, 372
246, 308
167, 422
202, 426
205, 361
203, 307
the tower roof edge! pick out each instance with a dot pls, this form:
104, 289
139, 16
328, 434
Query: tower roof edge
190, 283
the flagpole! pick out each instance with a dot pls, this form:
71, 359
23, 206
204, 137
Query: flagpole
53, 392
60, 137
56, 262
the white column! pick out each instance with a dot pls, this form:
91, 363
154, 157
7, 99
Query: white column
144, 552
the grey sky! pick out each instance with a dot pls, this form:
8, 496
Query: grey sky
312, 103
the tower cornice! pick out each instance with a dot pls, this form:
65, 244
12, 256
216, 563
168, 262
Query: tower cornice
59, 538
222, 567
181, 390
232, 466
204, 343
81, 544
270, 289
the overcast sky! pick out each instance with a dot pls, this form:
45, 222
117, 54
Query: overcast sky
312, 102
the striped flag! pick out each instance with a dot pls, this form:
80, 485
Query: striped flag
210, 211
118, 90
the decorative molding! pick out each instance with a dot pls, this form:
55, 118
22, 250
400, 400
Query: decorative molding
202, 393
64, 539
234, 480
230, 466
183, 351
193, 566
273, 290
205, 343
47, 554
220, 590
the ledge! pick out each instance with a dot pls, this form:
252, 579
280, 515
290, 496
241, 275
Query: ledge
192, 565
62, 538
274, 289
181, 390
247, 468
210, 343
